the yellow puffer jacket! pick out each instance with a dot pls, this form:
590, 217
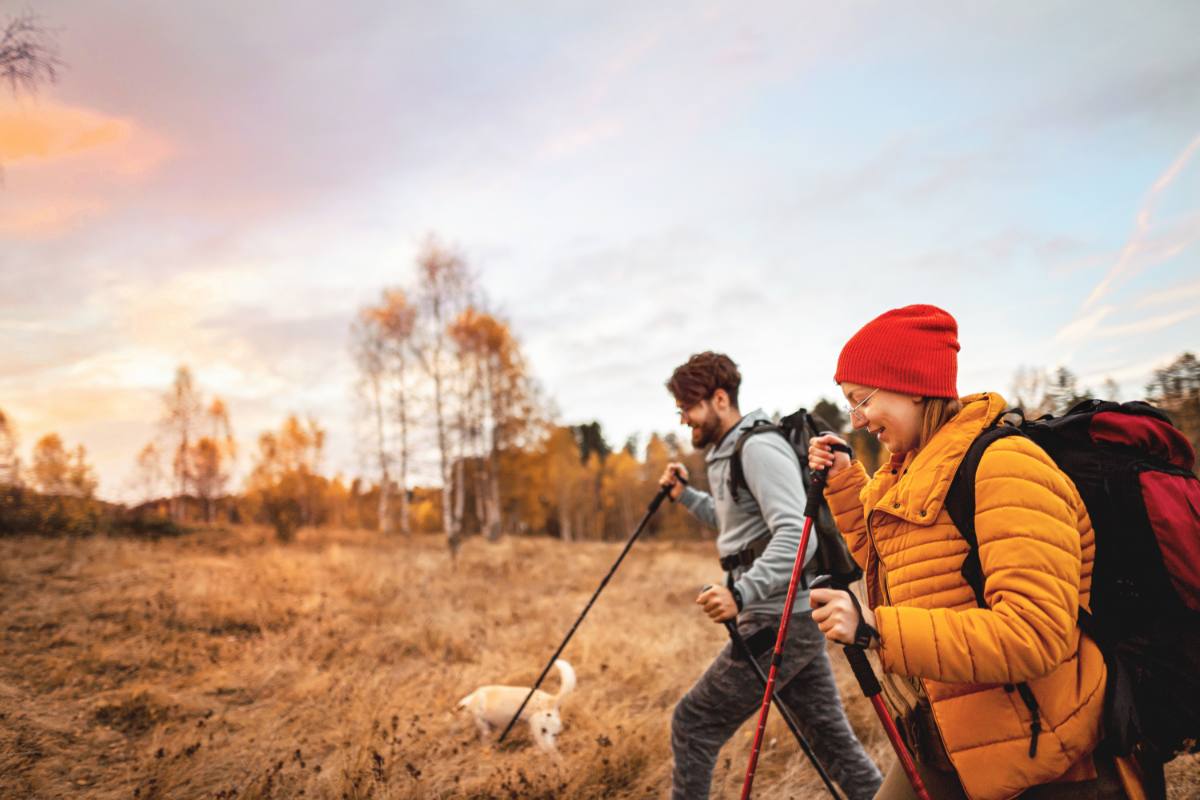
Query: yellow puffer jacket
1036, 547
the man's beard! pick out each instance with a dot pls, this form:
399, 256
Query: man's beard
706, 433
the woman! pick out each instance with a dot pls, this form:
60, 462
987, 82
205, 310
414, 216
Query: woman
965, 680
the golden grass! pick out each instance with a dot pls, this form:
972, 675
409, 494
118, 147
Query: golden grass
222, 665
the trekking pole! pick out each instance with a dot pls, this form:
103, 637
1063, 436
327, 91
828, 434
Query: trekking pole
871, 690
740, 645
811, 508
654, 504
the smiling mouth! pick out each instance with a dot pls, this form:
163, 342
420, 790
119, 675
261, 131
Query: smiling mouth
879, 432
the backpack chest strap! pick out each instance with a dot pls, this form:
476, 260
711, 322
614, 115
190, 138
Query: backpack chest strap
746, 557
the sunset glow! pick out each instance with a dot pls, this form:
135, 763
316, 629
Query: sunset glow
631, 184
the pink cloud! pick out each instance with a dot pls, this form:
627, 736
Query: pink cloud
46, 132
60, 161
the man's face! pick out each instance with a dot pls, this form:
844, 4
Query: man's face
703, 420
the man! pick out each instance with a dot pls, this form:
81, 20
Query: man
758, 536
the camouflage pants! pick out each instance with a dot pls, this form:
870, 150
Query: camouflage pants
729, 693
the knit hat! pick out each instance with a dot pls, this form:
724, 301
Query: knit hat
911, 350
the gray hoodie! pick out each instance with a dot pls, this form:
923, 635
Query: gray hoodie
774, 505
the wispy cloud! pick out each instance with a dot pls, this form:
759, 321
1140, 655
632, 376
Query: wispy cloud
1151, 244
1141, 250
1183, 292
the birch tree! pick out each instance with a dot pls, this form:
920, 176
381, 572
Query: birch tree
470, 333
501, 401
148, 473
369, 349
469, 420
444, 285
181, 422
10, 465
212, 457
397, 320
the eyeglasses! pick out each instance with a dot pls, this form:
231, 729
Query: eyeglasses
854, 412
683, 412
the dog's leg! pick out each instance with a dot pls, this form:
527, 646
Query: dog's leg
485, 730
539, 733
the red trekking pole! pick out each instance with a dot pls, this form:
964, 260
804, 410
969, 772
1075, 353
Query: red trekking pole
854, 654
811, 508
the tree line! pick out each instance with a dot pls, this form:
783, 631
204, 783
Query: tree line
443, 382
444, 398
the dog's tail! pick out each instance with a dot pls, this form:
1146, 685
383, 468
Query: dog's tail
567, 685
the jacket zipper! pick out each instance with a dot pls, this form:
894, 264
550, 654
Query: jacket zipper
887, 595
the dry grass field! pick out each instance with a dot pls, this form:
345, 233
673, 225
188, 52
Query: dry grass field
222, 665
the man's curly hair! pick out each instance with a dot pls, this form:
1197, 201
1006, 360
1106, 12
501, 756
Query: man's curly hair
702, 375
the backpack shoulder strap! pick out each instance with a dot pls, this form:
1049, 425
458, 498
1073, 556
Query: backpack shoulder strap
737, 476
960, 505
960, 501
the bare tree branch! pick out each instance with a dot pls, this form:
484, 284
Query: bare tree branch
28, 54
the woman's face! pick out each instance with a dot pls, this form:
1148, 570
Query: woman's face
894, 418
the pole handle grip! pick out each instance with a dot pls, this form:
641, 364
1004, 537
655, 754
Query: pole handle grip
816, 494
862, 670
663, 493
816, 489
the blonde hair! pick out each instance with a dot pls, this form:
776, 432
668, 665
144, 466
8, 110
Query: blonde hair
938, 411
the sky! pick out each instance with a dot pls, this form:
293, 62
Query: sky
224, 185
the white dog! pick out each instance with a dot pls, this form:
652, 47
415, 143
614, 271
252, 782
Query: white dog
495, 706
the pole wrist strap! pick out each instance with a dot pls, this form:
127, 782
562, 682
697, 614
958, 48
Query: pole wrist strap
682, 480
864, 633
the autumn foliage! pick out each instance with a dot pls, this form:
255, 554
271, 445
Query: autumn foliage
456, 435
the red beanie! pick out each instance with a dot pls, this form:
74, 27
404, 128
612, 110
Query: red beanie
910, 350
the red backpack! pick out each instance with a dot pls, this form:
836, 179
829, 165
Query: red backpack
1133, 469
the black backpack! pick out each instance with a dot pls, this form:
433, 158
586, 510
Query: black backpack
833, 557
1133, 470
